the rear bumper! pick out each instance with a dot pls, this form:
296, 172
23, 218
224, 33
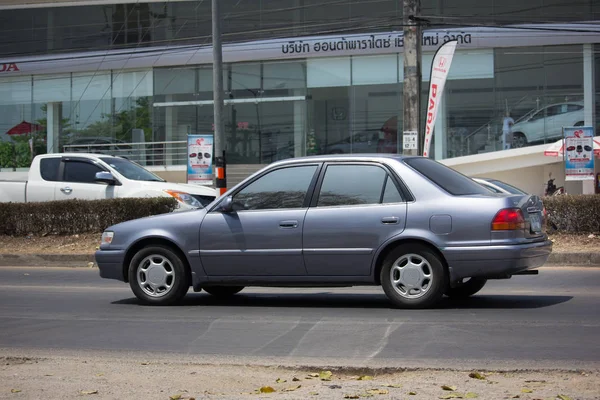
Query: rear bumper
495, 261
110, 263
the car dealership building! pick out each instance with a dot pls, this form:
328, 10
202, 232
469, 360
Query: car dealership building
301, 77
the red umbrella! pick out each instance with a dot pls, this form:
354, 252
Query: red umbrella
24, 128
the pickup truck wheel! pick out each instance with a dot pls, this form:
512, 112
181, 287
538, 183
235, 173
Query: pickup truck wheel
466, 288
223, 291
158, 276
413, 276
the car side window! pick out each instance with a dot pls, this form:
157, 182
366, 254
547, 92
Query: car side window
282, 188
81, 172
574, 107
391, 193
352, 185
49, 169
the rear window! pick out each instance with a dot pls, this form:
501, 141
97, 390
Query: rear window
509, 188
49, 168
446, 178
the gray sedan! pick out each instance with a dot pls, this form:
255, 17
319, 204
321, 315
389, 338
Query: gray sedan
415, 227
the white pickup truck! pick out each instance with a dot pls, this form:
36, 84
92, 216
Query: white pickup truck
95, 176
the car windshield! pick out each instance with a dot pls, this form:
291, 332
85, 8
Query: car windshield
448, 179
507, 187
131, 170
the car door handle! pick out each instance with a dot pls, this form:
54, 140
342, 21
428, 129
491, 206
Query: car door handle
390, 220
66, 190
288, 224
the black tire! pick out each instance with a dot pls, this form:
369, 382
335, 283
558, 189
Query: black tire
223, 291
519, 140
179, 282
434, 289
466, 289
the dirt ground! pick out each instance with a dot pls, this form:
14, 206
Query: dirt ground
125, 378
88, 243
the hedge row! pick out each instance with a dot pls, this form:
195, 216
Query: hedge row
77, 216
573, 213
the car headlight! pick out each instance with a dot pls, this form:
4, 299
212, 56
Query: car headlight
185, 198
107, 237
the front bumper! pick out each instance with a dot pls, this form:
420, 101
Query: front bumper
110, 263
495, 261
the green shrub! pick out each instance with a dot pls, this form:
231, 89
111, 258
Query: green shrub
573, 213
7, 155
77, 216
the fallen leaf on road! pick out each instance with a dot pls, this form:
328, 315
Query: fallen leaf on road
450, 388
99, 374
86, 392
279, 380
516, 396
49, 375
412, 393
314, 393
535, 381
313, 375
266, 389
378, 391
526, 390
15, 390
325, 375
175, 397
476, 375
393, 385
294, 379
334, 387
145, 363
351, 396
563, 397
365, 378
292, 388
471, 395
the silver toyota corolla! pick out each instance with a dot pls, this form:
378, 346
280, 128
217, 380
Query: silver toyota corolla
410, 224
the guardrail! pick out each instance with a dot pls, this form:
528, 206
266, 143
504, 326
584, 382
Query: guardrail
144, 153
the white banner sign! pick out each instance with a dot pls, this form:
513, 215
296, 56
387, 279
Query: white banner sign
439, 72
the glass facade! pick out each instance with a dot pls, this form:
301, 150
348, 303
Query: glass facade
140, 24
496, 98
75, 109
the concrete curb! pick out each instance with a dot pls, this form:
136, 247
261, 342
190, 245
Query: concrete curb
84, 260
47, 260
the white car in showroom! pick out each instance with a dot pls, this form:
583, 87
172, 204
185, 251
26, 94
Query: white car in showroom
546, 124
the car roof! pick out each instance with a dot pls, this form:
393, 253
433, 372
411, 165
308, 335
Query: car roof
78, 155
344, 157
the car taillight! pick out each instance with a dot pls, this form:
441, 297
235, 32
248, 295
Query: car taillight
509, 219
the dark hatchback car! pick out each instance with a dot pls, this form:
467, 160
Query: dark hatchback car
412, 225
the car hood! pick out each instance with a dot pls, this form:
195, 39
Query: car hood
182, 187
164, 221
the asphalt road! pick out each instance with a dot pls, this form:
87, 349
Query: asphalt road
552, 320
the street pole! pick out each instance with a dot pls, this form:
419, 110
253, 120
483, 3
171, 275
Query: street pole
219, 138
412, 137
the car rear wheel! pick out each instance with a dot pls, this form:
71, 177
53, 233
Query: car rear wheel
158, 276
223, 291
413, 276
466, 288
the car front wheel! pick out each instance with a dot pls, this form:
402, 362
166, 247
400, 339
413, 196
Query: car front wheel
413, 276
158, 276
466, 288
223, 291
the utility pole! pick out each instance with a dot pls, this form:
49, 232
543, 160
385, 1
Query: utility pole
412, 137
219, 137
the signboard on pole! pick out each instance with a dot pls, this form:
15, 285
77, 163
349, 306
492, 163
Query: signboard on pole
579, 153
200, 159
440, 67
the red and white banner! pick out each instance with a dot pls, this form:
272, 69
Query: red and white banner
439, 72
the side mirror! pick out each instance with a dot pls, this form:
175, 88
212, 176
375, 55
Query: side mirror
226, 205
106, 177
